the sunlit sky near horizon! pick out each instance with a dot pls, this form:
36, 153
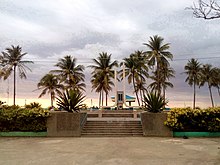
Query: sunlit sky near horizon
49, 30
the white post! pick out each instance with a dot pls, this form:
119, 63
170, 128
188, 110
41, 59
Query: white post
116, 88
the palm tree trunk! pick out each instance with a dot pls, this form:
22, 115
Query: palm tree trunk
100, 93
106, 98
210, 91
164, 95
194, 95
157, 78
141, 98
14, 83
136, 92
102, 98
218, 91
51, 99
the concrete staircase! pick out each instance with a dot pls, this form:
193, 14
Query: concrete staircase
112, 127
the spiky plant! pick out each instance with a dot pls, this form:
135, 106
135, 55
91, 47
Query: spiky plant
70, 100
33, 105
154, 102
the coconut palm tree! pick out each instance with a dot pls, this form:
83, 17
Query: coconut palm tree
50, 84
193, 72
103, 72
166, 74
158, 54
135, 70
70, 74
12, 60
143, 69
161, 80
217, 79
208, 76
97, 84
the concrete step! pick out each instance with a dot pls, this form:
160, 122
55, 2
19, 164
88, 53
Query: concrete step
112, 131
109, 121
112, 128
111, 134
117, 115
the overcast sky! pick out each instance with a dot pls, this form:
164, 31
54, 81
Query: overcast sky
49, 30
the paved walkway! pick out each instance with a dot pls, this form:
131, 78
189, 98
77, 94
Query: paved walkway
109, 151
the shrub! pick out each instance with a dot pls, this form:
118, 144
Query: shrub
188, 119
154, 102
23, 119
70, 101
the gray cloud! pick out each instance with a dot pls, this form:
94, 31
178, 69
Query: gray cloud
48, 31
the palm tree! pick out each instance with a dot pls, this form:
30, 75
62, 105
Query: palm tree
208, 76
97, 84
136, 71
12, 60
141, 87
217, 79
70, 73
158, 54
50, 84
103, 72
161, 80
193, 72
166, 74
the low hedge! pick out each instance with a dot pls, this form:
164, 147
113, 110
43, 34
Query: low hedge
187, 119
23, 119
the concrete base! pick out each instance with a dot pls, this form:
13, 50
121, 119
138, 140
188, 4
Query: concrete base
153, 124
65, 124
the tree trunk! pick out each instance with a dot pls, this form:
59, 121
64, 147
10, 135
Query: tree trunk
218, 91
158, 78
141, 98
14, 83
51, 99
100, 93
102, 98
135, 92
210, 91
164, 95
106, 98
194, 95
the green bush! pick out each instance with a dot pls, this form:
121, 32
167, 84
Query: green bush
187, 119
23, 119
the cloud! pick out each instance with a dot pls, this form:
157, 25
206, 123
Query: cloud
48, 31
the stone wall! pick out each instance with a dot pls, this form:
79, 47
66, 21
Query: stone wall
153, 124
65, 124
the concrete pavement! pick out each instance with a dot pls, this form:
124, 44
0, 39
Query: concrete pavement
109, 151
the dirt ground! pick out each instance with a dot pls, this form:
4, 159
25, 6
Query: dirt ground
109, 151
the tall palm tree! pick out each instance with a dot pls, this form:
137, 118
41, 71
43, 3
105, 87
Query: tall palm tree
217, 79
161, 80
103, 72
50, 84
208, 76
193, 72
166, 74
70, 74
136, 71
97, 85
101, 83
12, 60
158, 54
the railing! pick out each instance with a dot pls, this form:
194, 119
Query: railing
83, 119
